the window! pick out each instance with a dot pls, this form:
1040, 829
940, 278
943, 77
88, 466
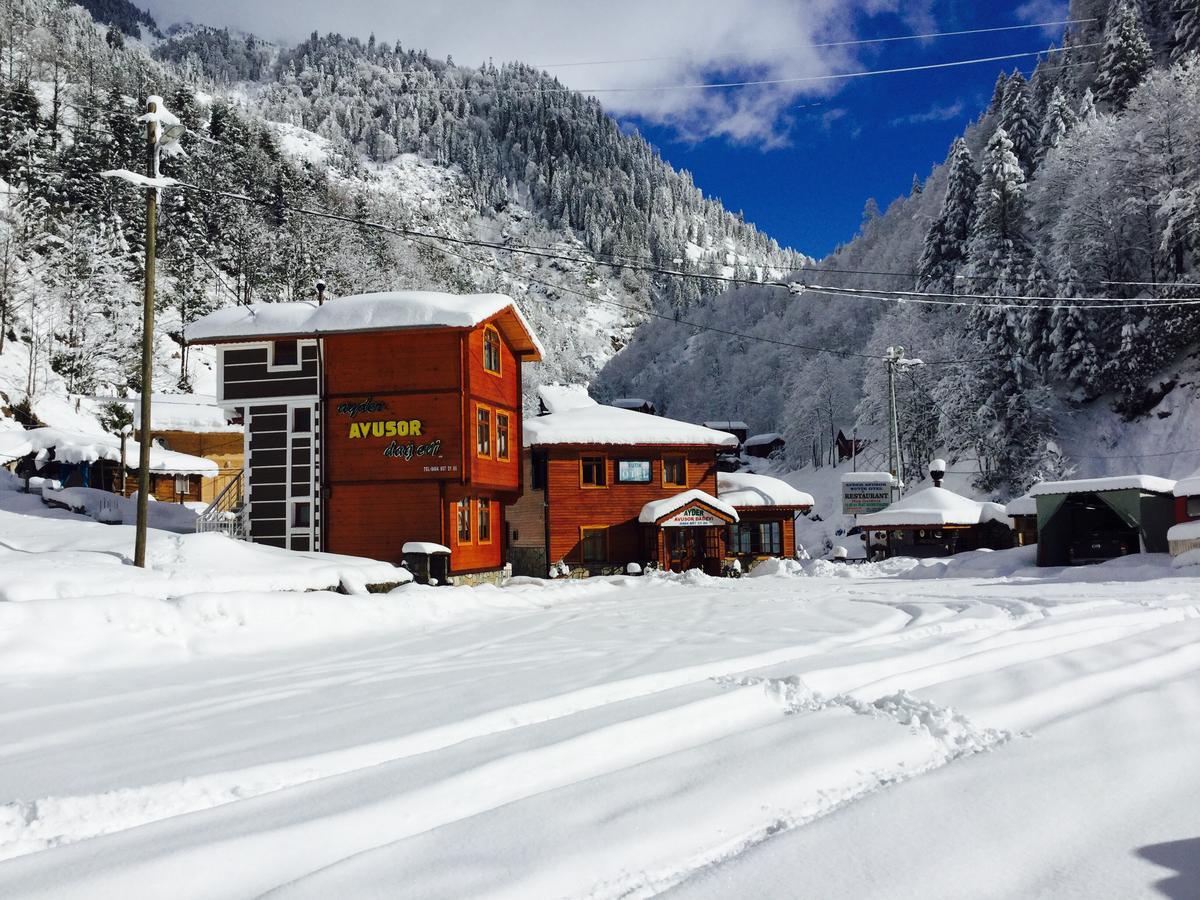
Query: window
491, 350
501, 435
181, 484
633, 471
770, 538
756, 538
485, 521
483, 432
1193, 507
285, 354
675, 471
301, 515
464, 521
593, 544
593, 471
301, 420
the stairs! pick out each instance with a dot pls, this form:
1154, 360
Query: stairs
228, 514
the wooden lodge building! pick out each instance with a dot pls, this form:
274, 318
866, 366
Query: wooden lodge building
606, 487
378, 420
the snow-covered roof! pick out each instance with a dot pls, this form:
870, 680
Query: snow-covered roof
760, 440
74, 447
382, 311
196, 413
727, 425
562, 397
934, 506
423, 547
1025, 505
743, 489
1188, 487
656, 509
1150, 483
598, 424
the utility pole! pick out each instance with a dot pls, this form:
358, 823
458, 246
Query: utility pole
894, 355
143, 500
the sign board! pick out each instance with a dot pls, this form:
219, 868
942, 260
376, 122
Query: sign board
692, 517
393, 438
866, 492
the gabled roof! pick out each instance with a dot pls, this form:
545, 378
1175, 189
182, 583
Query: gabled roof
934, 506
1149, 483
596, 424
382, 311
656, 510
743, 490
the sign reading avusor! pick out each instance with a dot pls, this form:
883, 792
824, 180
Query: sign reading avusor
419, 437
865, 492
692, 517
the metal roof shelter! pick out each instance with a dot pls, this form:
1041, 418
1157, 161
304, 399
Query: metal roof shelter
1094, 519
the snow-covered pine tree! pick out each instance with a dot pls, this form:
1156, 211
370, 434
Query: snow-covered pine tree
998, 250
1017, 120
1186, 38
997, 105
1126, 59
945, 247
1058, 122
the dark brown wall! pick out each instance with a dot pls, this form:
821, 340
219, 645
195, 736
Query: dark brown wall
246, 376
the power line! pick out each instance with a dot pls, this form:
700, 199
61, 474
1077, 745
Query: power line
761, 82
823, 45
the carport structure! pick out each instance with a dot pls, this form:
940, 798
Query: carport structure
1095, 519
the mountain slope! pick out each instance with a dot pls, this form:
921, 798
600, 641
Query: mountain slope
1080, 182
354, 129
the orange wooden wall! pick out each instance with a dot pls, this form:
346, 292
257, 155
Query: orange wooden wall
374, 502
618, 505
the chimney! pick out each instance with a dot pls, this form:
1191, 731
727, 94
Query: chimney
937, 471
320, 293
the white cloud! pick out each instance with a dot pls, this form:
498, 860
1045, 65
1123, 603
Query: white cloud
701, 40
1044, 11
939, 112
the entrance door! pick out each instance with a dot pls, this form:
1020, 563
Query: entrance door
685, 548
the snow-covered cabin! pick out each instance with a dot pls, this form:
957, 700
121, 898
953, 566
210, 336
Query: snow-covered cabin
1184, 535
605, 487
767, 509
764, 445
937, 522
1093, 519
1023, 513
77, 459
637, 404
380, 419
195, 424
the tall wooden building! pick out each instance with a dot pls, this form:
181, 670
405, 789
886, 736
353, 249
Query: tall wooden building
606, 487
377, 420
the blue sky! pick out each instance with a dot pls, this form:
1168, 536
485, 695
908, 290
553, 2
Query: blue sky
798, 158
866, 140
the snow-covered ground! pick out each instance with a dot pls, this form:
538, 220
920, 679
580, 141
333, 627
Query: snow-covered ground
210, 728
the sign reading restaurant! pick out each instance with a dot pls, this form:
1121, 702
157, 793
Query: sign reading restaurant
865, 492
